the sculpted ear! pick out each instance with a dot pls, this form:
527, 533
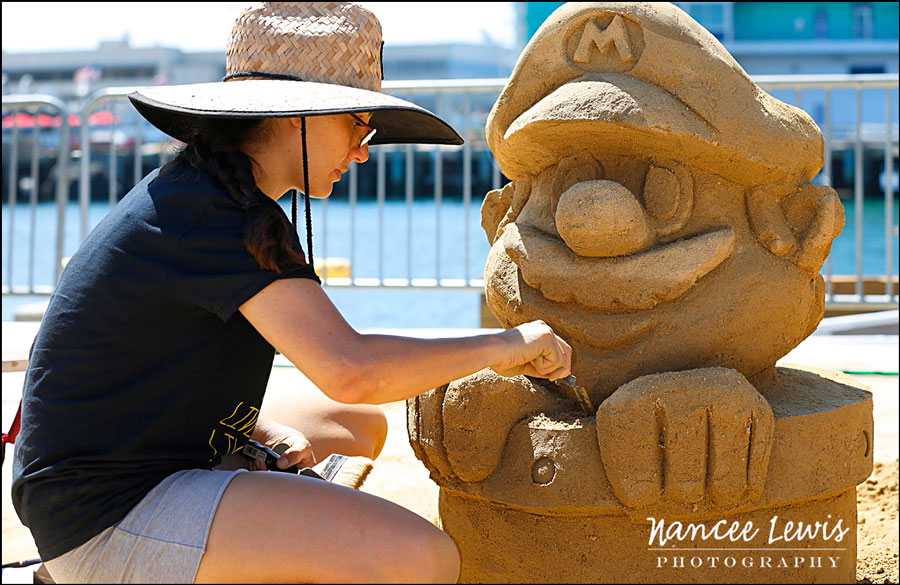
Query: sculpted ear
502, 206
494, 207
816, 215
799, 226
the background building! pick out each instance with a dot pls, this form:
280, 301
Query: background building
71, 75
76, 76
448, 61
769, 38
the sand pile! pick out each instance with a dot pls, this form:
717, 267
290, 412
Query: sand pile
877, 526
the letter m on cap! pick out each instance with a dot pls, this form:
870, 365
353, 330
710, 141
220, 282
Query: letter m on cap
615, 36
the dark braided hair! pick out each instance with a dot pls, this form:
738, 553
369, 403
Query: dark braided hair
214, 150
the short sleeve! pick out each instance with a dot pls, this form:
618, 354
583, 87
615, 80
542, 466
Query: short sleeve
213, 269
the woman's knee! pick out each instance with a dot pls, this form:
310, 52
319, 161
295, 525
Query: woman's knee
332, 427
436, 558
368, 427
445, 559
378, 429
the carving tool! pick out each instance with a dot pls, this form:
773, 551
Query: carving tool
580, 393
256, 451
571, 387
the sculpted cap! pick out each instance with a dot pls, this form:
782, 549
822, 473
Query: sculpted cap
644, 79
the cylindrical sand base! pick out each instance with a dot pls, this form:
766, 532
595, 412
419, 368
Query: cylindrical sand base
499, 544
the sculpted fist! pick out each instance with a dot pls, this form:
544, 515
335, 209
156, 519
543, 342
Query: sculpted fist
460, 429
683, 436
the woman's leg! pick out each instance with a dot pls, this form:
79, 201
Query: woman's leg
331, 427
280, 528
273, 527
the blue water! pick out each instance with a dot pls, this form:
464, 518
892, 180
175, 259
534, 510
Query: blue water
843, 250
374, 254
384, 254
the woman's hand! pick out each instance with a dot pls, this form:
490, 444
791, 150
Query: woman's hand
299, 451
534, 350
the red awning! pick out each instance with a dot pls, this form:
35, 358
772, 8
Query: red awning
24, 120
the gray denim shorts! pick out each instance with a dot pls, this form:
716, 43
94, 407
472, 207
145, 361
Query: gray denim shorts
161, 540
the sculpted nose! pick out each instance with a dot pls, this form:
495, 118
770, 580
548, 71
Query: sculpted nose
602, 219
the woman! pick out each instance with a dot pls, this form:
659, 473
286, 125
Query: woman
146, 378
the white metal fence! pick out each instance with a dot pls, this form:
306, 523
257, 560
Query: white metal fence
105, 140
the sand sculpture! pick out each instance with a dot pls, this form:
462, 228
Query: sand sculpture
661, 218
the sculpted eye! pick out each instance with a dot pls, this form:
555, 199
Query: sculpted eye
668, 197
571, 171
661, 193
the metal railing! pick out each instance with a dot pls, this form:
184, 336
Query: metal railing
888, 140
36, 102
440, 92
464, 103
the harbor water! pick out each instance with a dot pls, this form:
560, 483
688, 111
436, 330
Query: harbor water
419, 241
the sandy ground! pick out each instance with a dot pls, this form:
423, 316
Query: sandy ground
876, 502
401, 478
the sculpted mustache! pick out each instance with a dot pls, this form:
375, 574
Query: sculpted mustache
614, 284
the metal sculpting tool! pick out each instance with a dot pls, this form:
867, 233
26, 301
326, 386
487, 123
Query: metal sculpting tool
580, 393
568, 384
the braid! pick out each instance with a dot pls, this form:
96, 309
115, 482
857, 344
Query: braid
306, 193
268, 236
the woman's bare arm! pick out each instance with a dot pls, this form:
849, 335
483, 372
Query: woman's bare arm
300, 321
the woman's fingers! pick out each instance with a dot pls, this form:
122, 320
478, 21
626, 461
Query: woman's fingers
298, 453
559, 374
536, 351
565, 368
553, 355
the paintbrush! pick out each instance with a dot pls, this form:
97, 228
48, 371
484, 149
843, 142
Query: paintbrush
336, 468
341, 470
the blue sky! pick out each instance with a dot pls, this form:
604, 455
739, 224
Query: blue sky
200, 26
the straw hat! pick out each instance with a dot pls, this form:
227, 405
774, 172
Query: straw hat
297, 59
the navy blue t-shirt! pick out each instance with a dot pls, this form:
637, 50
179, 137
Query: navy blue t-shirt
143, 366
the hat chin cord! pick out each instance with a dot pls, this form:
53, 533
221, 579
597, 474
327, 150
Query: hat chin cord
309, 244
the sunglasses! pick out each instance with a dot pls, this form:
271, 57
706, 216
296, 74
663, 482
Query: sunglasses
360, 122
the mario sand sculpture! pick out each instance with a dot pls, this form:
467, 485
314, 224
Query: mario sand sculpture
661, 219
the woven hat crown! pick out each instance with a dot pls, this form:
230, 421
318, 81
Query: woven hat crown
324, 42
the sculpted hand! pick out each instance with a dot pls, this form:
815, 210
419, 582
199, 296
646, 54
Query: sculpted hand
534, 350
684, 437
460, 429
